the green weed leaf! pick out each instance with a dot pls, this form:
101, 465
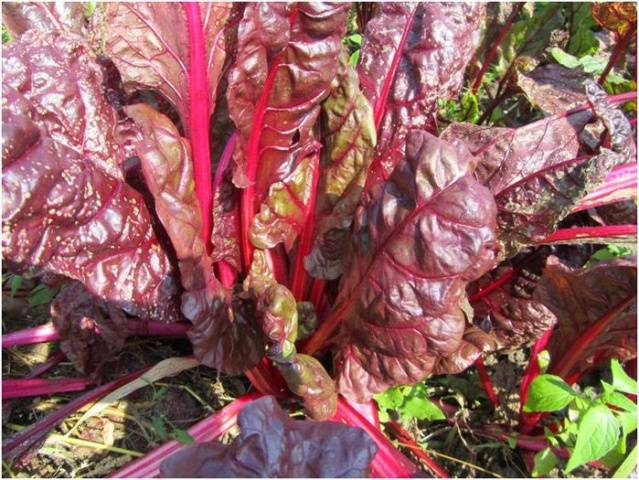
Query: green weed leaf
548, 393
598, 434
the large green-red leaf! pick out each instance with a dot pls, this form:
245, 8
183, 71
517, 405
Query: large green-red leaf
419, 239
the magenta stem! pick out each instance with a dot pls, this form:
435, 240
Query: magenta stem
32, 435
577, 233
198, 124
206, 430
44, 367
484, 379
34, 387
620, 47
31, 336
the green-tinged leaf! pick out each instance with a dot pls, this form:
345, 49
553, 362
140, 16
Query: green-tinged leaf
582, 38
598, 434
15, 284
390, 399
628, 466
548, 393
608, 253
543, 359
628, 422
89, 9
159, 427
512, 442
422, 409
182, 436
41, 295
620, 400
564, 58
545, 461
353, 60
621, 380
6, 36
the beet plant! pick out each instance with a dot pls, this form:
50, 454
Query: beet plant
294, 188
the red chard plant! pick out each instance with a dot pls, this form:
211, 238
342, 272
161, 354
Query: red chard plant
230, 174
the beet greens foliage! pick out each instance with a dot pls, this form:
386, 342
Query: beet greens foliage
304, 207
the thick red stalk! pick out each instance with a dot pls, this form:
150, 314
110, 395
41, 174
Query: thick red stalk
198, 125
527, 421
266, 379
209, 429
567, 362
494, 285
484, 379
316, 296
490, 56
29, 437
620, 184
576, 233
620, 47
48, 364
305, 243
406, 438
48, 333
35, 387
225, 271
252, 160
388, 461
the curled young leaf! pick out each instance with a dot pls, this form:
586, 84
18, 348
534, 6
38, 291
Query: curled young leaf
596, 310
474, 343
66, 207
91, 330
223, 335
412, 55
419, 239
350, 140
272, 445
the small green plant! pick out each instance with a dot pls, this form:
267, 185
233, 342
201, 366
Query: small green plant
594, 426
609, 252
464, 110
408, 402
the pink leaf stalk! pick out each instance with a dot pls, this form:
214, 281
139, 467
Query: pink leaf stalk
527, 421
225, 271
388, 461
484, 379
35, 387
492, 53
405, 438
206, 430
48, 333
22, 442
48, 364
620, 184
586, 233
198, 127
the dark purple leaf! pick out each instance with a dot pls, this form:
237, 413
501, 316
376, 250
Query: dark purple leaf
553, 88
66, 207
91, 330
272, 445
412, 55
419, 239
223, 334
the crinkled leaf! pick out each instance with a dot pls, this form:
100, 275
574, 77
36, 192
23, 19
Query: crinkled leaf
582, 39
18, 17
412, 55
223, 333
272, 445
148, 42
349, 139
287, 58
473, 344
601, 296
616, 16
553, 88
91, 330
598, 434
66, 208
419, 239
